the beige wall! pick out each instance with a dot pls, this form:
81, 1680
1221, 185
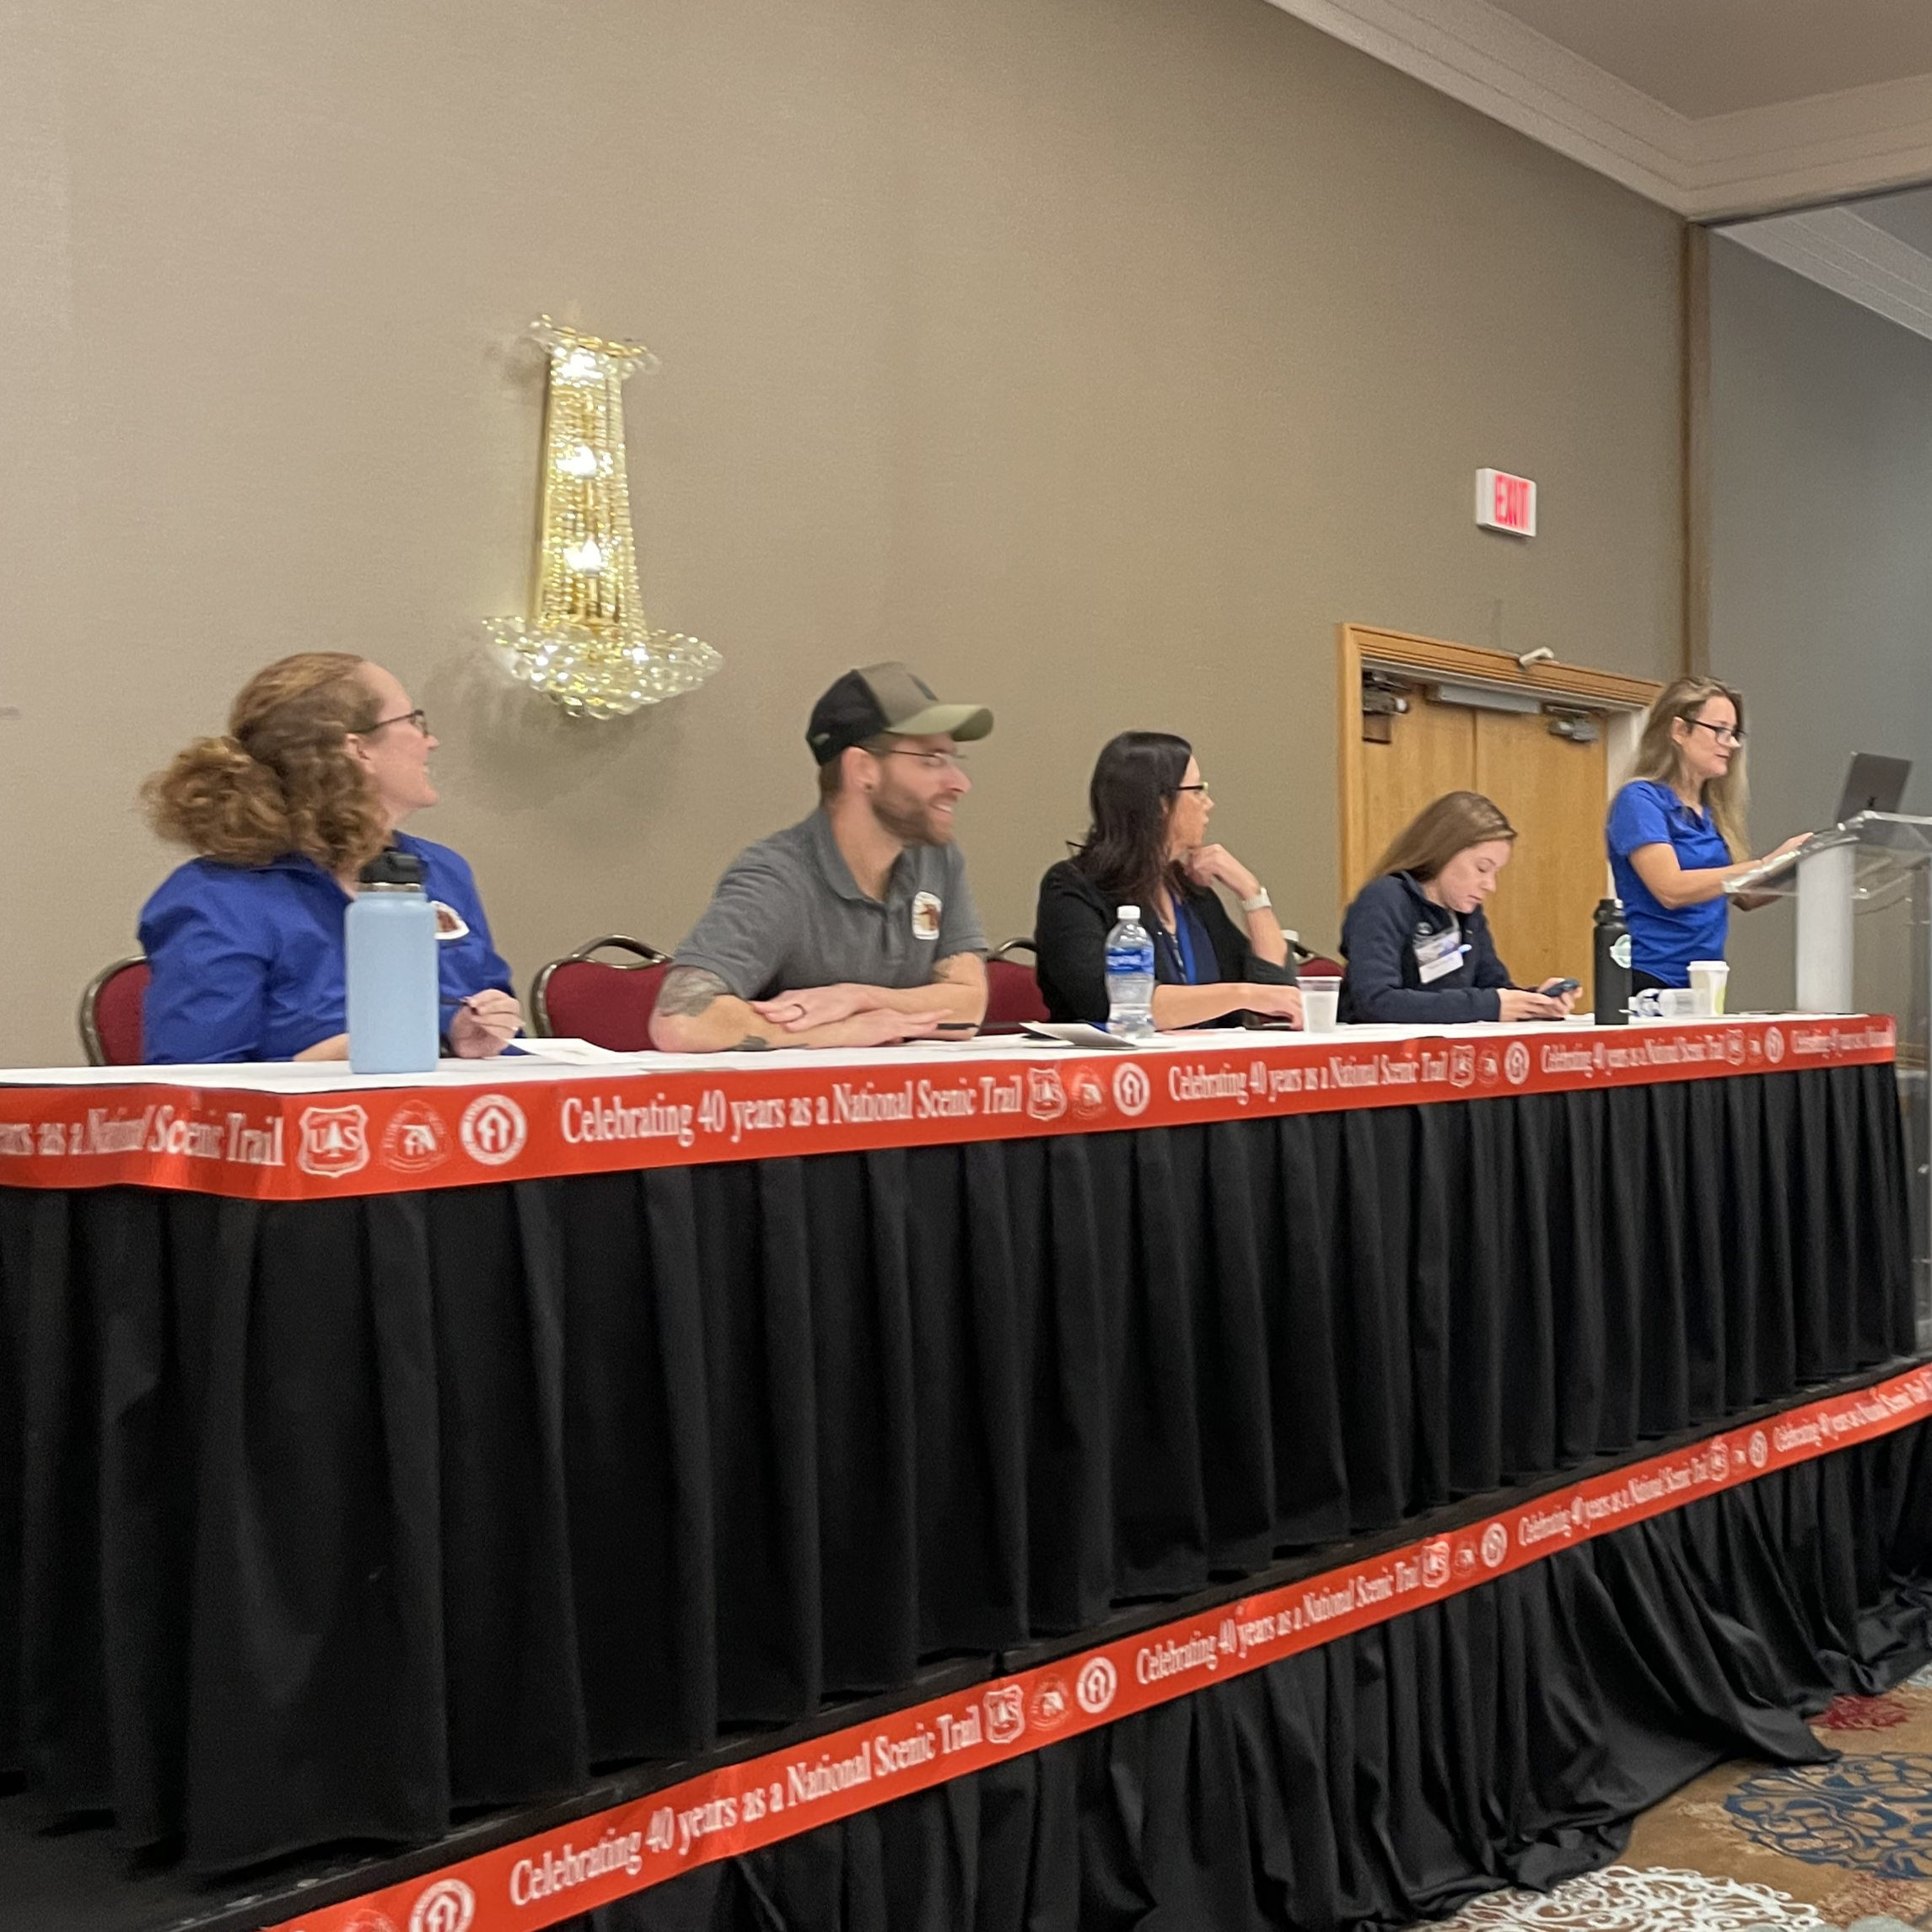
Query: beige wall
1820, 573
1097, 356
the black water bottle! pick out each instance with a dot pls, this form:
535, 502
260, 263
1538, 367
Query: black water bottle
1613, 968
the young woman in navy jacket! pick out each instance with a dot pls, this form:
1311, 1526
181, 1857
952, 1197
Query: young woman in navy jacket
1416, 941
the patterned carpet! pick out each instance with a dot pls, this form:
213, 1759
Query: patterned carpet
1833, 1848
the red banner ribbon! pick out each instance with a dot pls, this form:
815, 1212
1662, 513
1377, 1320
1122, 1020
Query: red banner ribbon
242, 1141
742, 1807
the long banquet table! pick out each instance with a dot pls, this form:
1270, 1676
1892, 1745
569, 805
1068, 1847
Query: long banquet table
372, 1448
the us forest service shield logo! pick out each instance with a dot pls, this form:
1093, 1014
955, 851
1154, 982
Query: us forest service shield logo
1005, 1713
335, 1142
1045, 1098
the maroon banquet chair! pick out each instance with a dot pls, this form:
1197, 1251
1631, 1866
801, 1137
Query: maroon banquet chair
1012, 990
603, 1001
111, 1013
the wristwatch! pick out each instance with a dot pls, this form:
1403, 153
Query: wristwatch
1257, 902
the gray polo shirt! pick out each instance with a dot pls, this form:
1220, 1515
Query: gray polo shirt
787, 914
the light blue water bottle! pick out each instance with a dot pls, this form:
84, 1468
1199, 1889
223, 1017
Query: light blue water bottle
390, 935
1130, 977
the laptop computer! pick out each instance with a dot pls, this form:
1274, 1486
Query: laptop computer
1874, 784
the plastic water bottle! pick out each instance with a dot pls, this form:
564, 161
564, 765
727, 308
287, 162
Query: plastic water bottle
390, 935
1130, 977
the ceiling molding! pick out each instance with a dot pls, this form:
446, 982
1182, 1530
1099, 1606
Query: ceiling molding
1839, 248
1754, 161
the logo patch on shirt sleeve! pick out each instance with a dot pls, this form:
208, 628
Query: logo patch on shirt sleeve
450, 925
926, 915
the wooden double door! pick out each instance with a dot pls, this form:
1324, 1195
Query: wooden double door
1548, 768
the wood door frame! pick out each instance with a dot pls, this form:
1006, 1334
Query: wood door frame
1366, 647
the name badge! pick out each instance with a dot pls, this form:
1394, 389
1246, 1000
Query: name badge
450, 925
1438, 955
925, 916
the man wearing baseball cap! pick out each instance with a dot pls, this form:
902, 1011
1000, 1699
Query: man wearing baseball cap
853, 928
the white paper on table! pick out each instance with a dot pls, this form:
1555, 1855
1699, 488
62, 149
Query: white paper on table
1079, 1033
570, 1052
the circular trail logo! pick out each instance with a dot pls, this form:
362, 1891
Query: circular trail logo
1773, 1044
1760, 1449
1516, 1062
1495, 1545
1095, 1685
448, 1906
1090, 1097
1131, 1090
1048, 1709
416, 1139
493, 1132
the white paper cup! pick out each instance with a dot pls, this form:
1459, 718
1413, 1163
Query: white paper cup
1708, 981
1320, 995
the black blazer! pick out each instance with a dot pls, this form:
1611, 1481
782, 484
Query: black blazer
1383, 982
1070, 928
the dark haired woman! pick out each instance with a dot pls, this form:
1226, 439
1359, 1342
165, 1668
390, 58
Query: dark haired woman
324, 758
1147, 846
1417, 943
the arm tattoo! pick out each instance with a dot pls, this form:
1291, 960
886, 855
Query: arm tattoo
689, 991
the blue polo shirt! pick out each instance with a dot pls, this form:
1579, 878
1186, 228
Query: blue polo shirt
1663, 942
247, 963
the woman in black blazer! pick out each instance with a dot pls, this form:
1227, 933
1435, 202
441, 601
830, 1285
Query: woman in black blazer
1147, 847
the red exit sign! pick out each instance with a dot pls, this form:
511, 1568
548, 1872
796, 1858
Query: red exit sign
1506, 502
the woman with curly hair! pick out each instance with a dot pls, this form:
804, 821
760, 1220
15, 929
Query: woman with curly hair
323, 758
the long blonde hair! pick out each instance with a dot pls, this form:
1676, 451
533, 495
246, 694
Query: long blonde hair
1660, 759
282, 780
1452, 824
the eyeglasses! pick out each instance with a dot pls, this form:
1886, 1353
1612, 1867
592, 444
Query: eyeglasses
1724, 734
1202, 787
418, 717
932, 761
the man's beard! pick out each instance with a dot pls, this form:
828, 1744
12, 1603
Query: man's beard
911, 821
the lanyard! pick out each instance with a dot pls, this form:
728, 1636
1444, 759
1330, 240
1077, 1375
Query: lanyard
1181, 942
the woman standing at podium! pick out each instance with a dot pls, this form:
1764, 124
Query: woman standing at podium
323, 758
1677, 834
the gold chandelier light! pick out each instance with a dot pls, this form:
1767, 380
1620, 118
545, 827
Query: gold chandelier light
587, 642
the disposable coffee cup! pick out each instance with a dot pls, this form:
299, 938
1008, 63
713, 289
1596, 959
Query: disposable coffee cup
1707, 979
1321, 997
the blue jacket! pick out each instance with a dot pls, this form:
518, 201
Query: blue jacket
247, 961
1383, 984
